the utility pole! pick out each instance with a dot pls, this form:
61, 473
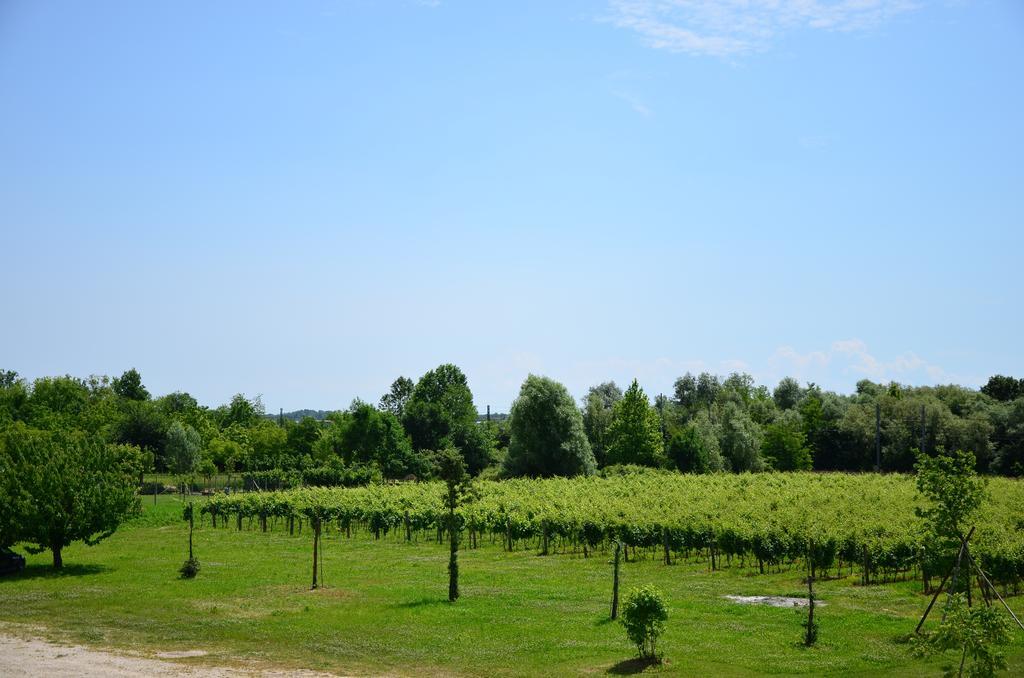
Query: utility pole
488, 414
280, 417
878, 438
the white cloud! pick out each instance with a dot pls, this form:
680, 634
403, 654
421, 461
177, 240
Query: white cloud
634, 103
851, 357
733, 27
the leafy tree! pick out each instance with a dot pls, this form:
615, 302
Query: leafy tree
8, 378
440, 413
369, 435
547, 432
302, 436
129, 386
785, 445
644, 614
242, 411
269, 447
597, 417
1003, 388
394, 400
708, 387
70, 487
183, 448
142, 424
741, 440
635, 434
787, 394
692, 452
954, 489
685, 392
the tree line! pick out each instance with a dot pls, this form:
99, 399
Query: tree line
707, 424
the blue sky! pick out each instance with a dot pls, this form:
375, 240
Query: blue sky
306, 200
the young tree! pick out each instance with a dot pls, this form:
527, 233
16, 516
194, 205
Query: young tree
635, 434
451, 468
191, 567
72, 487
547, 437
644, 614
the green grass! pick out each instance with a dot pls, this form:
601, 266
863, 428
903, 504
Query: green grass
385, 608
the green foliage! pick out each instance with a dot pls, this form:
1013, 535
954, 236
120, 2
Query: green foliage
129, 386
693, 450
394, 400
597, 417
547, 433
635, 433
366, 435
182, 449
1003, 388
785, 446
787, 394
954, 489
440, 413
971, 633
69, 487
741, 440
644, 613
189, 569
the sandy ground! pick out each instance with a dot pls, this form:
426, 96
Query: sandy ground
33, 657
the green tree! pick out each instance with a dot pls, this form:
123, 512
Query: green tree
785, 445
129, 386
1003, 388
368, 435
183, 448
440, 413
70, 487
787, 394
692, 452
741, 439
547, 436
597, 417
635, 434
644, 614
394, 400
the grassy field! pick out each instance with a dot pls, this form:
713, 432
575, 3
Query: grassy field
384, 609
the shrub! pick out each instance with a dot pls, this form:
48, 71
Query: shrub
190, 569
644, 614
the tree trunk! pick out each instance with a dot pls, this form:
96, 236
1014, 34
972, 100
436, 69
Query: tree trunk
615, 582
316, 540
453, 559
58, 560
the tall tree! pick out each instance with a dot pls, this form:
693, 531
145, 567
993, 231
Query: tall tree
547, 436
129, 385
785, 445
741, 439
183, 448
440, 413
394, 400
635, 434
787, 394
597, 417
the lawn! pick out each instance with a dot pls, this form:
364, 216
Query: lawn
384, 609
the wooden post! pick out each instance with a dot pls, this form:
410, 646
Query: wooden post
615, 582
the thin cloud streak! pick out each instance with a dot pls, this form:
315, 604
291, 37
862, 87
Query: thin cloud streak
725, 28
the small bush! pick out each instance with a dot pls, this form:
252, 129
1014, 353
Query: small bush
644, 614
190, 569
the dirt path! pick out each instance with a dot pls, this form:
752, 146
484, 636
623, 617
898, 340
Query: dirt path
33, 657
